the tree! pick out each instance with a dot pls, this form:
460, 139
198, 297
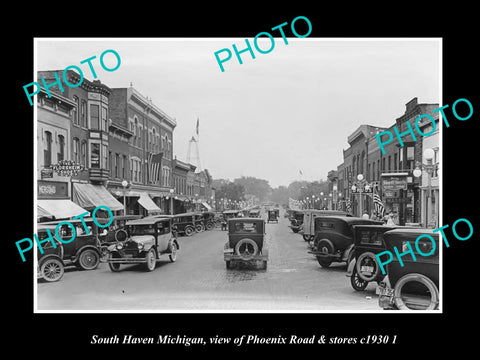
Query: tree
258, 187
231, 191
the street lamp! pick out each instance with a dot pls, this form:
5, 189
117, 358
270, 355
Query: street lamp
360, 187
428, 154
171, 201
124, 184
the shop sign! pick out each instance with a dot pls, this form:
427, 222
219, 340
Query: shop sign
394, 183
67, 168
52, 190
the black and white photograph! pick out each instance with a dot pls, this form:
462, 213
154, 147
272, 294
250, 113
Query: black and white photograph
269, 186
292, 181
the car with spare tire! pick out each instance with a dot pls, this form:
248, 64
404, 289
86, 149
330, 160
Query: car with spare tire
246, 242
413, 283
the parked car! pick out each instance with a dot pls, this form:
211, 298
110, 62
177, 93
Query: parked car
114, 233
308, 228
246, 242
415, 285
84, 251
148, 239
50, 265
272, 216
367, 242
296, 220
208, 220
185, 223
255, 213
333, 239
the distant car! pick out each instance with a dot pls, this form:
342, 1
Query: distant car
84, 251
208, 220
308, 228
185, 223
50, 265
415, 285
148, 239
272, 216
296, 220
246, 242
333, 240
254, 213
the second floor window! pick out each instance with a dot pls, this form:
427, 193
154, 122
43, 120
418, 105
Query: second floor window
47, 151
94, 117
61, 148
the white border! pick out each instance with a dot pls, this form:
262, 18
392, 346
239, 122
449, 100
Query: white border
229, 311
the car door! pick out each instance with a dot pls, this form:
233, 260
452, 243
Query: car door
163, 235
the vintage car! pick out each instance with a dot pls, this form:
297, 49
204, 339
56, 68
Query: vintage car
272, 215
363, 266
246, 242
114, 233
148, 239
185, 223
255, 213
308, 228
50, 265
296, 220
415, 285
208, 220
333, 239
228, 214
84, 251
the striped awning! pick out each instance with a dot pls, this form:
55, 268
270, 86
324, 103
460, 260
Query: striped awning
92, 196
58, 208
147, 203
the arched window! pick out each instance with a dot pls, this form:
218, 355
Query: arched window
76, 110
83, 156
61, 148
47, 151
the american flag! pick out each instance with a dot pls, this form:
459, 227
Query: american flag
377, 202
154, 164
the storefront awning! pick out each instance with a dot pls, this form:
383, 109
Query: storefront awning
59, 208
208, 207
148, 204
91, 196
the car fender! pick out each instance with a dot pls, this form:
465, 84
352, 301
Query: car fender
350, 267
176, 243
346, 253
49, 256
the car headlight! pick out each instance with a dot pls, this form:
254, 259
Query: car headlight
119, 246
140, 246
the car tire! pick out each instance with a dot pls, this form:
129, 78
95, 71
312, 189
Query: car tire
427, 282
209, 226
52, 269
173, 255
246, 249
199, 228
88, 259
189, 230
369, 259
151, 258
357, 282
325, 246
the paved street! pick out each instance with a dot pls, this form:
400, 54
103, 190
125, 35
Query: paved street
199, 280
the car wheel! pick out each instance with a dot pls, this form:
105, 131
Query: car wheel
173, 254
367, 266
52, 270
88, 259
357, 282
246, 249
115, 267
325, 246
199, 228
209, 226
151, 260
406, 304
189, 230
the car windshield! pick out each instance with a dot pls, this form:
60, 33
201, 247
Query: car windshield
142, 229
246, 227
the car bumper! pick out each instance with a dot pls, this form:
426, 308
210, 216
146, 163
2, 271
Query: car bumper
229, 254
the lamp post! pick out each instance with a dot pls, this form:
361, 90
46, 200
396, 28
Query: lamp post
428, 154
171, 201
359, 187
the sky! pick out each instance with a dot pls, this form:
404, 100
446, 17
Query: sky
283, 116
